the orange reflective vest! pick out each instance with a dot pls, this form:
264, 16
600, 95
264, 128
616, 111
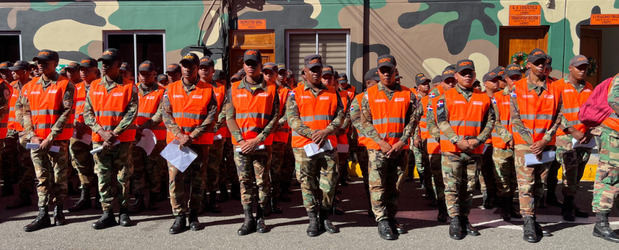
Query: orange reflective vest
190, 110
536, 112
12, 123
80, 100
282, 133
362, 140
612, 121
316, 112
572, 100
220, 95
5, 120
343, 138
148, 105
253, 111
350, 92
109, 107
388, 116
423, 122
503, 117
465, 117
46, 105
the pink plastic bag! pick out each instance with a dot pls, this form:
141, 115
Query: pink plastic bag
593, 112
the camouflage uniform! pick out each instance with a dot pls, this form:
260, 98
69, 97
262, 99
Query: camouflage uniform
385, 174
51, 168
434, 160
319, 171
458, 166
113, 166
81, 158
504, 170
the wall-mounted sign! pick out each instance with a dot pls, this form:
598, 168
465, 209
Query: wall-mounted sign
604, 19
525, 15
252, 24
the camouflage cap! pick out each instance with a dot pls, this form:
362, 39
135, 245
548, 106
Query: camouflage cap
162, 77
280, 67
328, 70
252, 55
19, 65
174, 67
207, 61
579, 60
421, 79
46, 55
437, 79
342, 78
269, 66
311, 61
500, 71
5, 65
88, 63
448, 72
490, 76
386, 61
190, 58
465, 64
536, 54
371, 75
513, 69
72, 66
146, 66
110, 54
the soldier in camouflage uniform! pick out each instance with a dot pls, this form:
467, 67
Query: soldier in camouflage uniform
281, 134
461, 152
316, 174
606, 185
252, 112
52, 168
115, 135
419, 148
387, 150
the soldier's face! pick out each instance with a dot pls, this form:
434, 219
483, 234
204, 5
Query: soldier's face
326, 80
205, 73
189, 71
252, 69
538, 67
492, 85
6, 75
269, 75
313, 75
466, 78
173, 76
281, 76
147, 77
424, 88
579, 72
20, 73
46, 67
88, 74
74, 75
110, 68
387, 76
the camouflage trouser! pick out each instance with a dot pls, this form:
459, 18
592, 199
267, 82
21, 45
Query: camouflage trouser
573, 161
385, 178
318, 178
186, 187
606, 186
82, 162
435, 165
16, 156
504, 172
253, 171
459, 171
362, 158
114, 168
531, 180
52, 171
210, 174
227, 173
147, 169
420, 158
485, 172
277, 168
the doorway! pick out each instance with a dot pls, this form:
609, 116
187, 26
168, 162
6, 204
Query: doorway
514, 39
599, 44
241, 40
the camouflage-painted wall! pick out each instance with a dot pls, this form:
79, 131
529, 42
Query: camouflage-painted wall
423, 35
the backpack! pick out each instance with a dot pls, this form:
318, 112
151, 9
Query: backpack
593, 112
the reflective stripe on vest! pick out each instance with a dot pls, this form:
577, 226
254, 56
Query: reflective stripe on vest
47, 105
316, 112
109, 107
536, 112
571, 102
465, 117
12, 123
147, 108
388, 116
253, 110
283, 132
190, 110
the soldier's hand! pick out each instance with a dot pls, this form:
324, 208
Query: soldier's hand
384, 146
395, 148
107, 145
578, 135
45, 144
106, 135
184, 140
319, 136
417, 142
463, 145
249, 145
538, 147
473, 143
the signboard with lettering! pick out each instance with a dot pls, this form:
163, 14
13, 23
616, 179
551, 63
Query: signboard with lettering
252, 24
604, 19
525, 15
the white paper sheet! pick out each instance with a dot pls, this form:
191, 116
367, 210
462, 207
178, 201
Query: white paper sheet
217, 137
54, 149
179, 158
99, 149
147, 141
531, 159
313, 149
576, 144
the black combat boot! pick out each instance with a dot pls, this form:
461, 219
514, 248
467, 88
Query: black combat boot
399, 228
486, 200
23, 200
212, 203
180, 224
194, 224
541, 230
83, 202
385, 231
138, 206
41, 221
123, 218
470, 230
455, 228
530, 232
602, 228
442, 211
261, 227
506, 208
106, 220
59, 219
567, 210
249, 224
313, 229
551, 197
326, 223
275, 207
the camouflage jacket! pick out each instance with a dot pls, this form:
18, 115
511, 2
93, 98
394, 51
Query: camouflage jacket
431, 121
294, 118
613, 102
130, 113
500, 129
170, 123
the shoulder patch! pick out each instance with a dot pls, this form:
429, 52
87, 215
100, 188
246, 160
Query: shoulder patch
440, 104
513, 94
493, 100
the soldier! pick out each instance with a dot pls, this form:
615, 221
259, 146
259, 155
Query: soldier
513, 73
5, 72
227, 173
535, 106
420, 153
17, 154
110, 110
281, 134
189, 111
251, 113
606, 185
146, 167
173, 71
392, 115
210, 174
347, 93
573, 159
47, 122
314, 113
162, 80
465, 118
79, 148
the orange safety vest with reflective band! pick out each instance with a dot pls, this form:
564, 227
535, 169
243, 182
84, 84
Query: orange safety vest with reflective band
12, 123
109, 107
190, 110
80, 100
220, 95
362, 140
147, 107
503, 118
612, 121
571, 102
465, 117
5, 120
46, 106
253, 111
316, 112
343, 138
350, 92
388, 116
423, 122
536, 112
282, 133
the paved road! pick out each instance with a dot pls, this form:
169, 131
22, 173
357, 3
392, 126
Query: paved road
358, 231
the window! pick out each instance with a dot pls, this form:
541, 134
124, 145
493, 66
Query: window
138, 46
333, 46
10, 42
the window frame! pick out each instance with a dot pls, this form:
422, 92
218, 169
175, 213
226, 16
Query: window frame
135, 33
317, 33
18, 34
